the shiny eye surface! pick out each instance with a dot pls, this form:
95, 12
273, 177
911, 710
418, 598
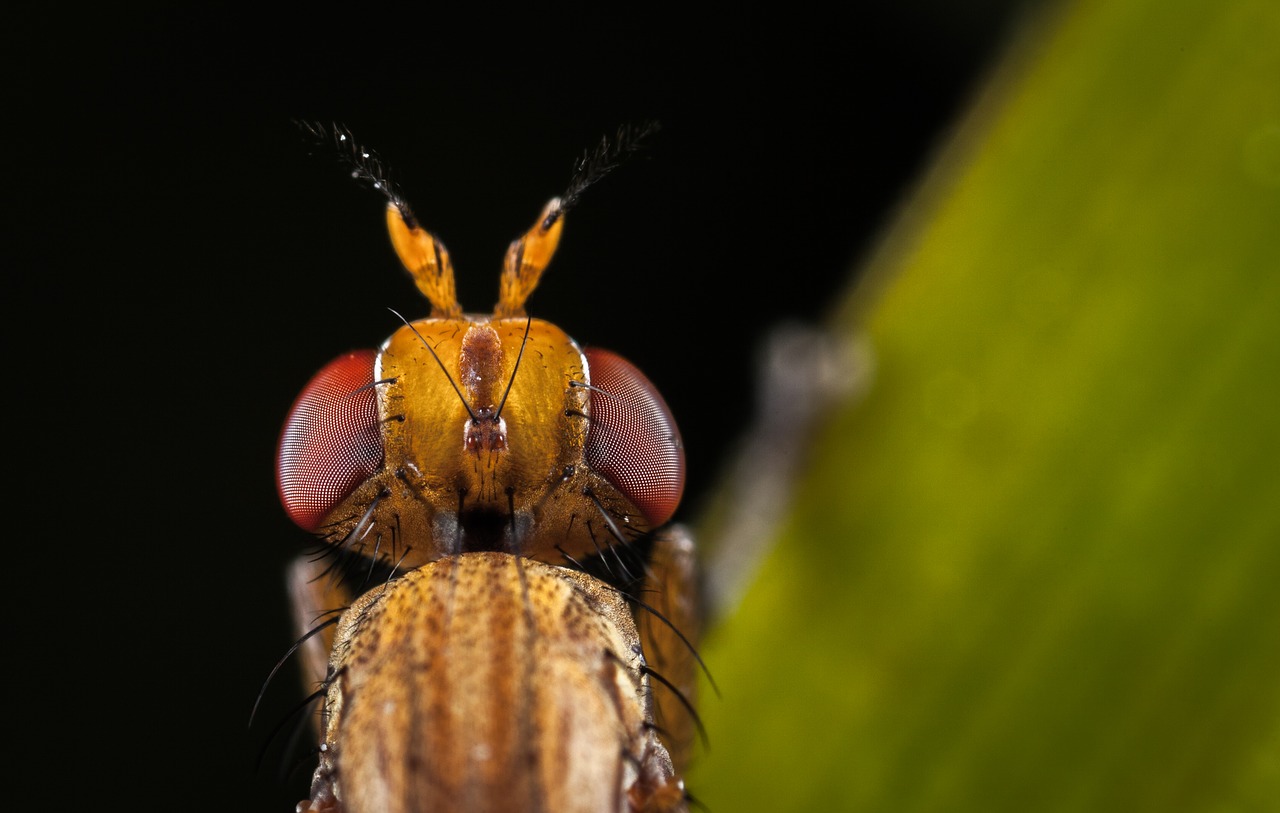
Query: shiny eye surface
331, 441
633, 440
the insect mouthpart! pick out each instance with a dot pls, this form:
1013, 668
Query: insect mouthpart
485, 528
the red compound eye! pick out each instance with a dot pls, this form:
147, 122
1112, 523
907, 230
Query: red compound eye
331, 442
633, 440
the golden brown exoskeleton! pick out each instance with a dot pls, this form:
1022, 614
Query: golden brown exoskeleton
481, 463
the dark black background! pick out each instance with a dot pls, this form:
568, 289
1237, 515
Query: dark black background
184, 264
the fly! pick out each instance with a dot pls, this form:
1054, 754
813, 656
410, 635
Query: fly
505, 616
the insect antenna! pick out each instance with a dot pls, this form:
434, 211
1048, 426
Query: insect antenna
365, 166
423, 255
607, 156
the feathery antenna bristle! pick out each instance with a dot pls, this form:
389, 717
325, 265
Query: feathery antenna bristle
607, 156
366, 166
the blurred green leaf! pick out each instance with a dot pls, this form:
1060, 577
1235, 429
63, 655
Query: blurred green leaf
1036, 567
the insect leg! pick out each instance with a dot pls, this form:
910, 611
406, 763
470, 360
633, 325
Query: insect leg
316, 596
669, 627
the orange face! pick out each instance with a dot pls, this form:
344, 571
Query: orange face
467, 433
